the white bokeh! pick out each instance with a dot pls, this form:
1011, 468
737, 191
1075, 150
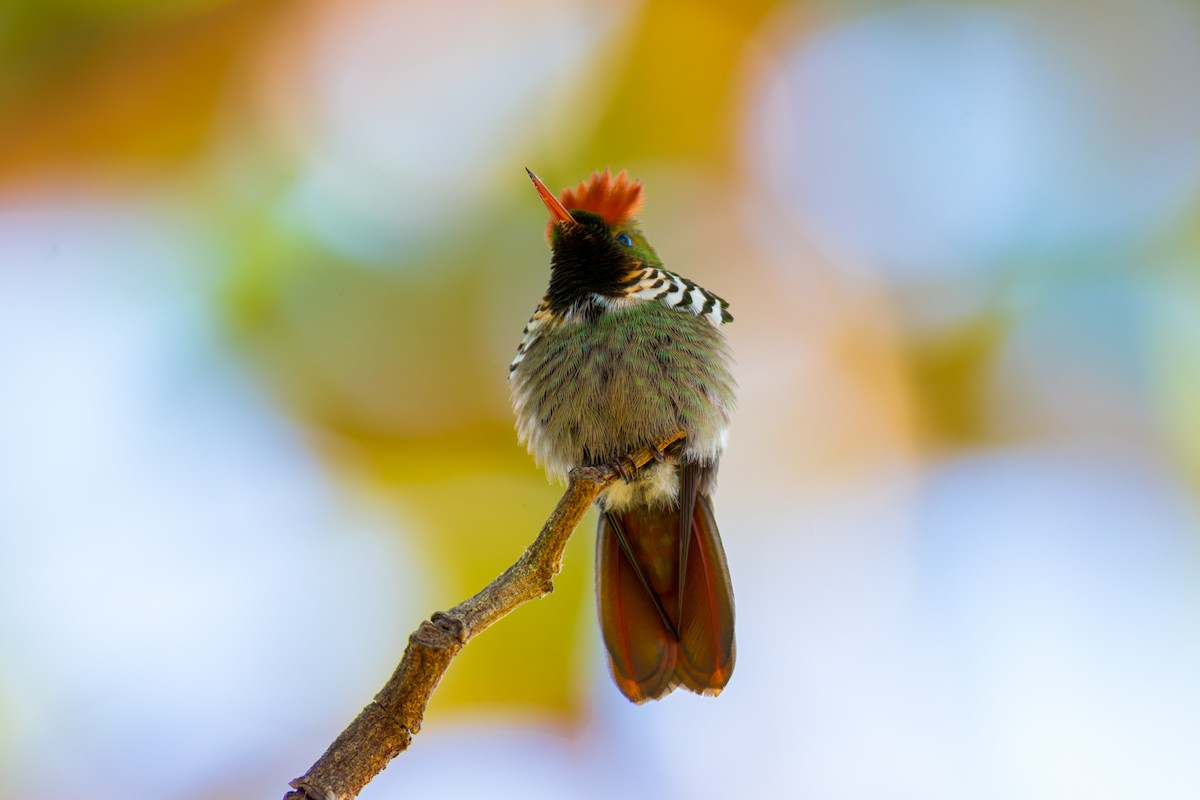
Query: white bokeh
937, 138
182, 591
411, 131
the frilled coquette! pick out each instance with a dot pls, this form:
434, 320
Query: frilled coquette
619, 354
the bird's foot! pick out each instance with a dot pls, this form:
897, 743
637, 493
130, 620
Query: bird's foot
625, 466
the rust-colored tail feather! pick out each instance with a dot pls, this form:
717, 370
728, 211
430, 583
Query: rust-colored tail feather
645, 657
641, 652
707, 649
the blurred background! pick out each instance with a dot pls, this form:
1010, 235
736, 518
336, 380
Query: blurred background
263, 266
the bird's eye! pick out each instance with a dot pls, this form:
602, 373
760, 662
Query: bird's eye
624, 239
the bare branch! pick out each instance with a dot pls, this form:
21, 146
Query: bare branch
385, 728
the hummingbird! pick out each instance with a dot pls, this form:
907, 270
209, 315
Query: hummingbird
619, 354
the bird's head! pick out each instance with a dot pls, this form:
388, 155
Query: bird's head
597, 247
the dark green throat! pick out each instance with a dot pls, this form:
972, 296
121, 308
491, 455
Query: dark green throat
585, 261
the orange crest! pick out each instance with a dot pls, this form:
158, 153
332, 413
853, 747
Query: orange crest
614, 199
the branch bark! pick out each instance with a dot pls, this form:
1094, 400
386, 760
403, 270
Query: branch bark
385, 728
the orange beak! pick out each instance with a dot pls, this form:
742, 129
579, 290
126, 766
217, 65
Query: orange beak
558, 212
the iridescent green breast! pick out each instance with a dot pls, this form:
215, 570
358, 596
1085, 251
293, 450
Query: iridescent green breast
589, 390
